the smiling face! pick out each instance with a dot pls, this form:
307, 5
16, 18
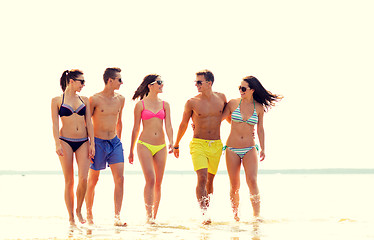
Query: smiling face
244, 90
156, 86
202, 84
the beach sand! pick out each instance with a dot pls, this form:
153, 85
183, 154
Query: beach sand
294, 206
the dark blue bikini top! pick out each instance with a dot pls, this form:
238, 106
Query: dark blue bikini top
67, 110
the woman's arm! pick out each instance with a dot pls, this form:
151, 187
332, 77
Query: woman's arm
55, 125
227, 112
135, 131
168, 127
261, 131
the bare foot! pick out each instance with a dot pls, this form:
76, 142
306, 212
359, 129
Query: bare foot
151, 221
118, 222
80, 217
207, 222
72, 223
206, 218
90, 219
257, 219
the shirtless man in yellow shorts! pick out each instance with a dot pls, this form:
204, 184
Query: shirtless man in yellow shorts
206, 110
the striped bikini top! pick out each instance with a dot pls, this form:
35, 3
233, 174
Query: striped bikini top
236, 116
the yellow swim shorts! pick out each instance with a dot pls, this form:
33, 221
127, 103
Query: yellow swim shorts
206, 154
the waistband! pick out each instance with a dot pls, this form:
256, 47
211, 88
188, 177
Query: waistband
107, 140
199, 140
73, 139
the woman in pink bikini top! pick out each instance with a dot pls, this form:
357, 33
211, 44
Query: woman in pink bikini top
151, 147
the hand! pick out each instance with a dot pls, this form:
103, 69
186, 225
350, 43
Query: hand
171, 148
91, 153
176, 151
262, 156
131, 158
59, 151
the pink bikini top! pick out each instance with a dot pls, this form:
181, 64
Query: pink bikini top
147, 114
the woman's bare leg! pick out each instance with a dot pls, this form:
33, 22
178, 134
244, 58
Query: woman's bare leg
159, 162
233, 163
250, 164
67, 168
83, 163
146, 161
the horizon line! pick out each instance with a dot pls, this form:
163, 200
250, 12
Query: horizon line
260, 171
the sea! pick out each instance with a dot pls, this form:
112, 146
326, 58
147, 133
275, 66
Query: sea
295, 204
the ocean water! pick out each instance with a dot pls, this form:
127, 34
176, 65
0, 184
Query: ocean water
295, 205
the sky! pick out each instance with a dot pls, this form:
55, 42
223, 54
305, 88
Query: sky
317, 54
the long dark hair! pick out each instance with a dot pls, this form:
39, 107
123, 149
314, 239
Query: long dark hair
143, 89
66, 75
260, 94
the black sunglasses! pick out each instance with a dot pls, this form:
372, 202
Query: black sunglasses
159, 82
120, 80
243, 89
199, 82
80, 80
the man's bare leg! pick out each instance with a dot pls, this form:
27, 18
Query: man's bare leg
201, 192
209, 188
93, 178
117, 172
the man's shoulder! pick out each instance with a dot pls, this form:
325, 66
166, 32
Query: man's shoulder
194, 99
96, 95
119, 96
220, 95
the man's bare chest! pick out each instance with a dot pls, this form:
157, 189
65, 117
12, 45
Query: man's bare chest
208, 110
112, 108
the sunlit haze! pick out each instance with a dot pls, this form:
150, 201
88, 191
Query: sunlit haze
317, 54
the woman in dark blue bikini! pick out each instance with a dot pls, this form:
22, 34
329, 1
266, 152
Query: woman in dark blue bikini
73, 137
243, 114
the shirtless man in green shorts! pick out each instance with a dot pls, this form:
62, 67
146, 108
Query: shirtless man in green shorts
106, 108
206, 110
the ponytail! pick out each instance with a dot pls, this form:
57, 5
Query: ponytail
66, 75
143, 89
64, 80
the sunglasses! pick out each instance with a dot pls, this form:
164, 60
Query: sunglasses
199, 82
80, 80
159, 82
243, 89
120, 80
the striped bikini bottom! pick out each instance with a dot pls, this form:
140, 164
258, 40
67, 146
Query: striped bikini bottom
240, 151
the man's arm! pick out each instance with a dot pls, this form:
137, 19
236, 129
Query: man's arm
183, 126
90, 129
119, 121
92, 104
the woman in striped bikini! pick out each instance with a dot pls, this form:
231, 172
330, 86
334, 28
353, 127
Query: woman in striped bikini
240, 147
